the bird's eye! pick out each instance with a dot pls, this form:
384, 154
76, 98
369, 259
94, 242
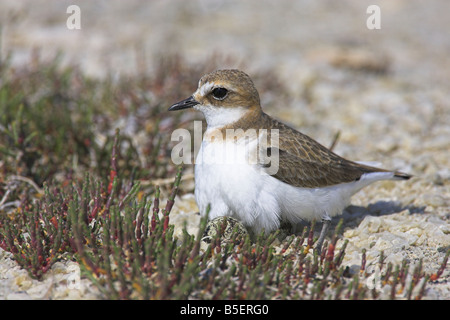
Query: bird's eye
219, 93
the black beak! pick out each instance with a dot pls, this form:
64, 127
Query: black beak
184, 104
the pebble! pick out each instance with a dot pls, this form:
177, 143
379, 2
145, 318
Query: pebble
18, 296
234, 231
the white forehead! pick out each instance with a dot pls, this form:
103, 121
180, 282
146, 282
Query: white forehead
204, 89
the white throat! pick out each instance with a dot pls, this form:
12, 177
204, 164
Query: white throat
218, 117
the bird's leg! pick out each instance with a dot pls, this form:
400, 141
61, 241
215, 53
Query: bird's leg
325, 226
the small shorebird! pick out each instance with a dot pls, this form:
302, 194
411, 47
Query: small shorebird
305, 180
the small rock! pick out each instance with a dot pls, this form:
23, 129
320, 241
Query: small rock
41, 290
234, 229
434, 200
354, 58
18, 296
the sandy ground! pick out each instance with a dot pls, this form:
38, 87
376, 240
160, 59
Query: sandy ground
386, 90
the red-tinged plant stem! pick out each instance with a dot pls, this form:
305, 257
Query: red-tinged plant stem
149, 251
112, 194
242, 277
171, 200
306, 277
113, 171
264, 254
155, 209
403, 273
363, 261
302, 237
311, 234
178, 266
124, 292
315, 265
84, 199
203, 223
330, 253
112, 176
166, 224
381, 260
286, 245
146, 221
106, 251
417, 275
422, 288
325, 251
36, 241
395, 280
340, 257
439, 273
410, 289
287, 279
387, 273
138, 224
10, 239
97, 205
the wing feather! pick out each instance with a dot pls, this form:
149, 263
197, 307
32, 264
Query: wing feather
303, 162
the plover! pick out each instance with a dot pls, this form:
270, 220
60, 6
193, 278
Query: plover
310, 181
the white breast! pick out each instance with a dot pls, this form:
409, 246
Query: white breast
225, 180
232, 187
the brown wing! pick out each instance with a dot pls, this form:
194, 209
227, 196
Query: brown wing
307, 173
303, 162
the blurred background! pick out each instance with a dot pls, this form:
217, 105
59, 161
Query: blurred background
123, 37
316, 63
